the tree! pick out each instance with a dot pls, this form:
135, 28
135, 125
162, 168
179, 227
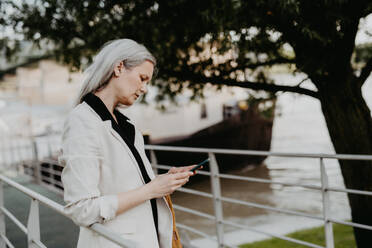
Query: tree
219, 42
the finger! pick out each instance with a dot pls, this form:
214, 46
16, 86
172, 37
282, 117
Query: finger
172, 170
195, 171
187, 168
180, 181
182, 175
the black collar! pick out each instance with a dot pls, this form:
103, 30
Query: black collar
100, 108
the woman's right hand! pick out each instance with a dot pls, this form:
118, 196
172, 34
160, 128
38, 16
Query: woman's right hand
166, 184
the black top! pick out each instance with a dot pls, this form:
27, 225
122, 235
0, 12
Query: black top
127, 132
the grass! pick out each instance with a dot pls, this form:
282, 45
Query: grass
343, 237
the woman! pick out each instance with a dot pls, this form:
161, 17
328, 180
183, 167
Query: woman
107, 177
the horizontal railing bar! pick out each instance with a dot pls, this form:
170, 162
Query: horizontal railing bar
258, 153
196, 231
39, 244
259, 180
99, 228
256, 205
202, 172
14, 219
8, 243
350, 224
46, 179
272, 235
55, 182
195, 192
46, 201
168, 167
353, 191
195, 212
52, 171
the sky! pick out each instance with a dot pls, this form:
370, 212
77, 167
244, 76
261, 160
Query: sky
365, 25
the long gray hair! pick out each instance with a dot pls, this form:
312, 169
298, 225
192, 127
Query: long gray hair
98, 74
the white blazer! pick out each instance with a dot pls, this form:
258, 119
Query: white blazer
97, 166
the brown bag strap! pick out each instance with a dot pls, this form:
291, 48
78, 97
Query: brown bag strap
176, 242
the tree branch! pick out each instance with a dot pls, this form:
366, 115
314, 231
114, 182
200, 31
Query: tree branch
365, 72
270, 62
226, 67
217, 80
303, 80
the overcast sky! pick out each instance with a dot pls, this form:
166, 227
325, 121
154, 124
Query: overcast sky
365, 25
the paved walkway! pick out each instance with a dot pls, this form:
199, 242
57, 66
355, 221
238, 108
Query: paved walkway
56, 230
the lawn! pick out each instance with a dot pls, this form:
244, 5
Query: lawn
343, 235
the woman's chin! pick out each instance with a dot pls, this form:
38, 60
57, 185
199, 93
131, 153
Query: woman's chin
127, 103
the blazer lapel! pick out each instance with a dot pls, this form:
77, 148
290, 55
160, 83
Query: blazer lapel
108, 126
140, 148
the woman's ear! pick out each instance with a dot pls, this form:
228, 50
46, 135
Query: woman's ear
118, 68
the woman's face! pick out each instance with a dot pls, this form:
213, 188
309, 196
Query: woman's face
130, 84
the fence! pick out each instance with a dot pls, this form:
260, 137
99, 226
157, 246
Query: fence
218, 199
50, 177
33, 226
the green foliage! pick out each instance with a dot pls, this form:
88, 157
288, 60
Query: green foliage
195, 42
343, 237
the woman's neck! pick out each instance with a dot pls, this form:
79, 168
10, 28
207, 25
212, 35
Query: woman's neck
108, 99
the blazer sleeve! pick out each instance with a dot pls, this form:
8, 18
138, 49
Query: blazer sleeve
81, 157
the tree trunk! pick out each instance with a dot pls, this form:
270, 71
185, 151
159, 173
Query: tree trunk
350, 126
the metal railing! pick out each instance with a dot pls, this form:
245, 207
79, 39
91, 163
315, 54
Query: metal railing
50, 179
218, 199
33, 224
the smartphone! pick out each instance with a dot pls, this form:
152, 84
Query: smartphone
199, 165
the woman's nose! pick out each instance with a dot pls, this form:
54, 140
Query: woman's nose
143, 89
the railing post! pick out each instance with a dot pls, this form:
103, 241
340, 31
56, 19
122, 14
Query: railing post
154, 162
33, 224
216, 190
2, 216
328, 228
36, 163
